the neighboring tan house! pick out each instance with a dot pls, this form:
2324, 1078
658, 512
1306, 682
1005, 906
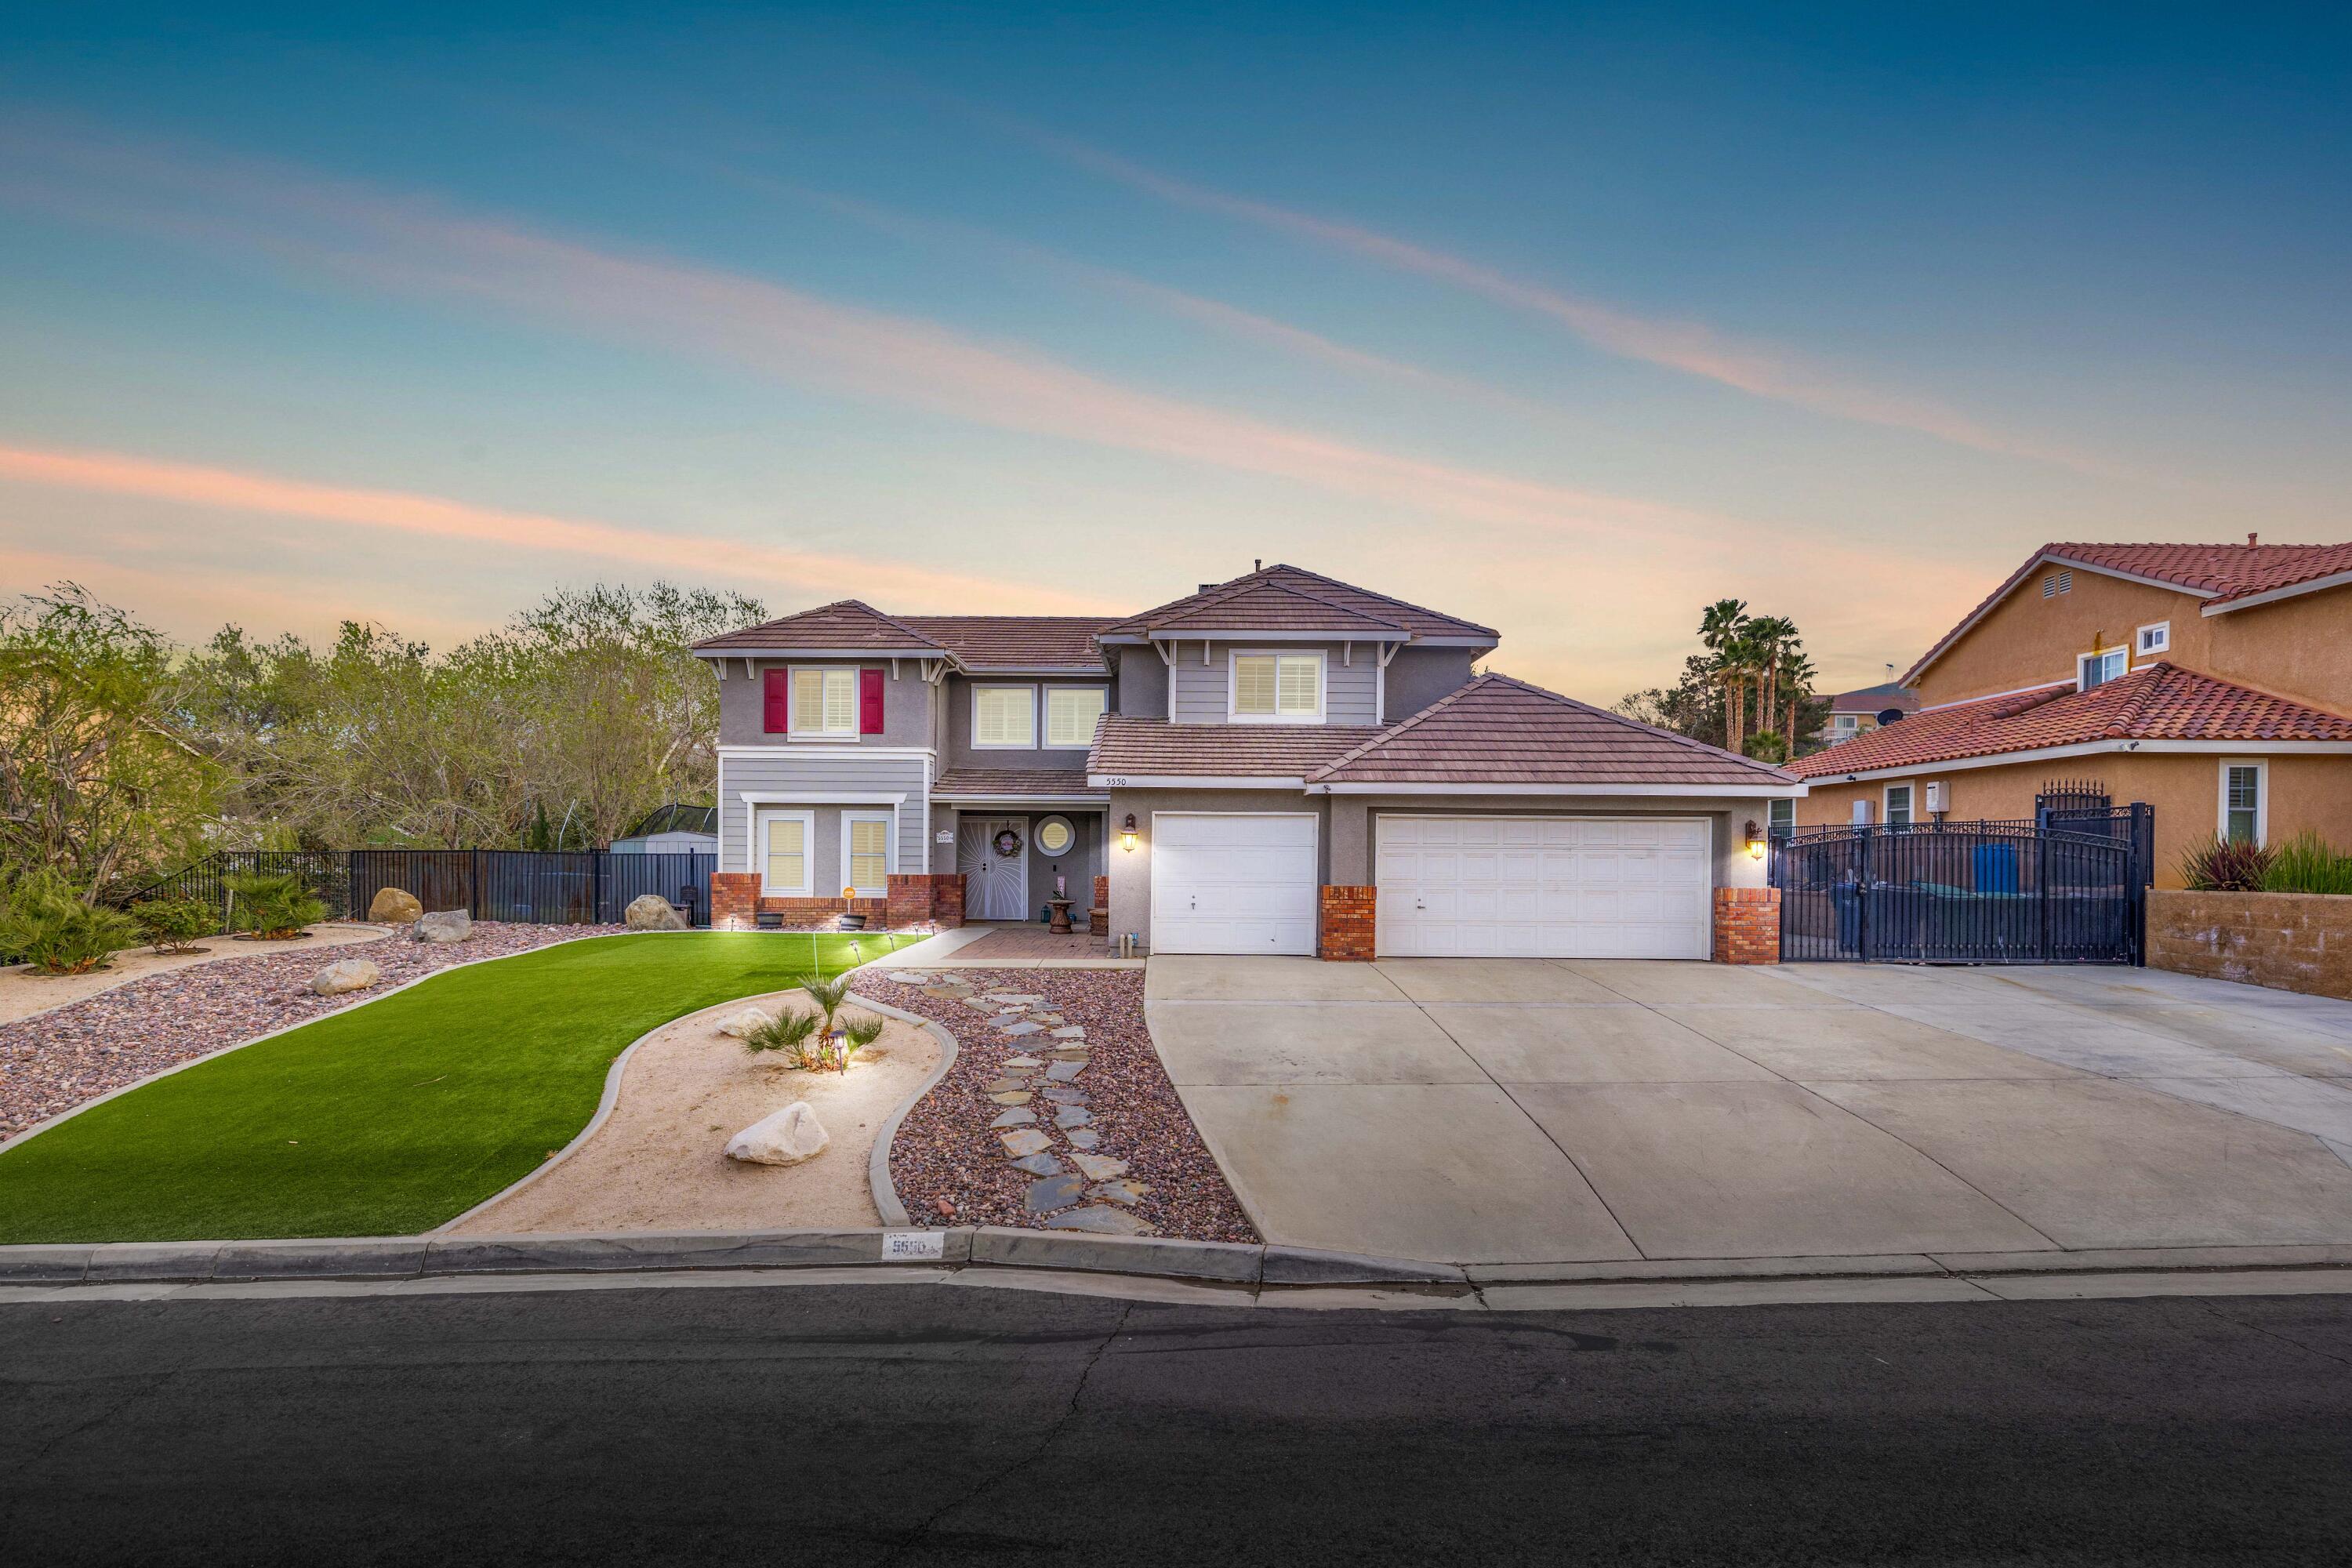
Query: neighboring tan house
2212, 681
1281, 763
1854, 712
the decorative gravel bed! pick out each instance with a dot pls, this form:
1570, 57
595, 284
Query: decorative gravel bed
59, 1059
951, 1166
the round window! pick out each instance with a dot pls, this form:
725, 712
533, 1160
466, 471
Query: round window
1055, 836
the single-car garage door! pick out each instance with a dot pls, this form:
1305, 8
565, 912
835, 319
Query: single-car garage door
1230, 882
1544, 886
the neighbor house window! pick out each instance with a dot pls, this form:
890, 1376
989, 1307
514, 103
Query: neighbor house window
866, 852
2156, 638
2098, 669
1899, 805
785, 854
2245, 803
1782, 818
1278, 686
1070, 714
824, 702
1004, 716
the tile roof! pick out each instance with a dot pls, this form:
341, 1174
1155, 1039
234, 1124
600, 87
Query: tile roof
1498, 730
1011, 783
1147, 748
2157, 703
1311, 602
1264, 605
843, 623
1023, 642
1876, 699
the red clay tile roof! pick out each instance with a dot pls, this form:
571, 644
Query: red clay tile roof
2158, 703
843, 623
1016, 642
1498, 730
1327, 604
1011, 783
2218, 574
1147, 748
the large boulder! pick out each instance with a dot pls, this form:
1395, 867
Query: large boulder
395, 906
790, 1136
444, 926
749, 1021
651, 911
349, 975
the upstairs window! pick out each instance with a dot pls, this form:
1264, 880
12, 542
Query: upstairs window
2154, 640
1070, 715
2098, 669
1278, 687
824, 702
1005, 717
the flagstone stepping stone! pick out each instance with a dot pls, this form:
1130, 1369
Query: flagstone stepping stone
1006, 1020
1012, 1097
1084, 1138
1073, 1116
1028, 1140
1067, 1054
1024, 998
1046, 1019
1063, 1072
1053, 1193
1100, 1222
981, 1004
1003, 1029
1038, 1164
1022, 1062
911, 976
1019, 1116
1071, 1032
1097, 1167
948, 993
1003, 1085
1123, 1192
1061, 1096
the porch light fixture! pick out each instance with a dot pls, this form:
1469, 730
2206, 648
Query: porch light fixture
1755, 840
1127, 834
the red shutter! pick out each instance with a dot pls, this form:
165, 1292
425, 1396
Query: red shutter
869, 702
778, 705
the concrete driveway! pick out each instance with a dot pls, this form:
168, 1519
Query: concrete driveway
1517, 1111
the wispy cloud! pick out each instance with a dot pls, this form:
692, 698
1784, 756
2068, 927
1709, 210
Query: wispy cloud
1690, 347
399, 511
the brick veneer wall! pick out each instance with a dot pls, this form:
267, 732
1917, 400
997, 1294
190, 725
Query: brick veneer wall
935, 900
912, 902
2290, 941
734, 896
1344, 931
1748, 925
1102, 902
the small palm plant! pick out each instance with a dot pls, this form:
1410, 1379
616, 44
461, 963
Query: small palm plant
844, 1037
856, 1035
789, 1032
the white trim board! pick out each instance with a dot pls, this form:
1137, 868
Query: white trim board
819, 798
1196, 781
1682, 792
2099, 748
823, 749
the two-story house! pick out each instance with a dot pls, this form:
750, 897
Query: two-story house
2212, 681
1283, 763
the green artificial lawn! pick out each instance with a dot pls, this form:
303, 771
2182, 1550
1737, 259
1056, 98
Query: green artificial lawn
393, 1117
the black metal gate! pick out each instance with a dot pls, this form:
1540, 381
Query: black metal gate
1968, 892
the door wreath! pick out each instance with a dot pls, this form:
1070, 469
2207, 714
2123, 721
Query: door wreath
1008, 843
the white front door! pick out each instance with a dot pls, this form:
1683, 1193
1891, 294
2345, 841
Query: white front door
1231, 882
995, 885
1544, 886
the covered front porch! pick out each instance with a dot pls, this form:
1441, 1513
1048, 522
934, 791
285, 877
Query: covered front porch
1025, 841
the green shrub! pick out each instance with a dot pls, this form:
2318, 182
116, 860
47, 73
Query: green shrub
2226, 866
174, 925
1766, 746
793, 1034
2308, 863
44, 922
271, 903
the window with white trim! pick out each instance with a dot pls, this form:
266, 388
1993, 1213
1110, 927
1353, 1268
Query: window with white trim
1004, 718
866, 852
2245, 803
1070, 715
1278, 688
1780, 818
824, 702
1055, 836
785, 859
2097, 668
1899, 805
2157, 638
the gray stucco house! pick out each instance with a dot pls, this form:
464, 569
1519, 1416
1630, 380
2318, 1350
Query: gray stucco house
1283, 763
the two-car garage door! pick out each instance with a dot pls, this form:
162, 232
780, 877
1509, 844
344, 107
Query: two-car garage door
1544, 886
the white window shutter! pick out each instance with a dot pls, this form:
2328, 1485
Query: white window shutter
1254, 684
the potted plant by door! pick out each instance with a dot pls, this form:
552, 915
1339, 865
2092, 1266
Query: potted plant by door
851, 922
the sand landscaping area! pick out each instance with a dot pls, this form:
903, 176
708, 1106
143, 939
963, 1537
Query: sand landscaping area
658, 1161
24, 991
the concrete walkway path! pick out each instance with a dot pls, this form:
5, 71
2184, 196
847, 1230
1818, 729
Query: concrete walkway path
1521, 1110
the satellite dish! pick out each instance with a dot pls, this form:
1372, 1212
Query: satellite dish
1890, 715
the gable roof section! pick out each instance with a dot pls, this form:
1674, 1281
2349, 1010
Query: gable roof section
1016, 642
1310, 603
2225, 576
1876, 699
2157, 703
845, 623
1132, 747
1496, 731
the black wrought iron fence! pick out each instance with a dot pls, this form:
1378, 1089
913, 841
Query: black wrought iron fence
542, 886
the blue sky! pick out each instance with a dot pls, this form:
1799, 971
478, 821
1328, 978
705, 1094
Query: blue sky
1565, 320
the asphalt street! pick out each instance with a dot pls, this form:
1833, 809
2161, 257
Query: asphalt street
926, 1424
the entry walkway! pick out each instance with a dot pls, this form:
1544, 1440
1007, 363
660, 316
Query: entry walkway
1530, 1110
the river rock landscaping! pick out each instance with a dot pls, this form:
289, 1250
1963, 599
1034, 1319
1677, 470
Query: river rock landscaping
57, 1060
1056, 1114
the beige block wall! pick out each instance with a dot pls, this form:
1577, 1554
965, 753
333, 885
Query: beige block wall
2291, 942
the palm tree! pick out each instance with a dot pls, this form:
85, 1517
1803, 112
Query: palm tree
1771, 640
1722, 627
1797, 670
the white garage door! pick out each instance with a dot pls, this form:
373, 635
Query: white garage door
1224, 882
1544, 886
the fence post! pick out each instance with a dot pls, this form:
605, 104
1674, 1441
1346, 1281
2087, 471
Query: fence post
473, 884
596, 887
1862, 897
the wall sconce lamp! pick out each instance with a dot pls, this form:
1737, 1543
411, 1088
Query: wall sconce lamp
1755, 840
1127, 834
